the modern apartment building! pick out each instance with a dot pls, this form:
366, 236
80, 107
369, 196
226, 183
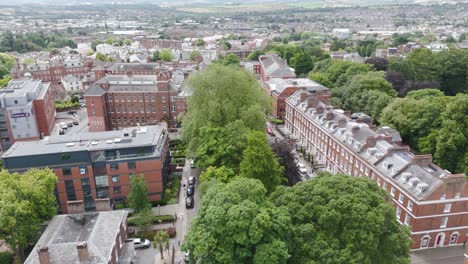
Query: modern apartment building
279, 89
430, 200
124, 100
27, 111
96, 165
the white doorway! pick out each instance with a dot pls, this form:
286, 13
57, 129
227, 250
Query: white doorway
439, 241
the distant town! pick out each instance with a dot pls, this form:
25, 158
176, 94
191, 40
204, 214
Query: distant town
212, 132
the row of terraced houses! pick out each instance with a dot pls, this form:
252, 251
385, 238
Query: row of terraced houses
432, 201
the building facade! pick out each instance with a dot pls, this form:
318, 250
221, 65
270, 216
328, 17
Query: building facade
91, 166
27, 111
279, 89
430, 200
119, 101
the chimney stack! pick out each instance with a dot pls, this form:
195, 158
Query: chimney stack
342, 122
75, 207
83, 253
102, 204
43, 253
355, 129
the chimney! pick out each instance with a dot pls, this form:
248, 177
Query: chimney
319, 109
83, 253
342, 122
102, 204
129, 73
43, 253
355, 129
75, 207
422, 160
311, 102
329, 115
303, 96
370, 141
347, 113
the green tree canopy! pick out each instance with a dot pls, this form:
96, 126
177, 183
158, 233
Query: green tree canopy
6, 63
260, 162
221, 174
342, 219
255, 55
138, 196
26, 201
200, 42
365, 48
237, 224
194, 54
231, 59
161, 240
166, 55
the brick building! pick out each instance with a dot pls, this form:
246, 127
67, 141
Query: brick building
97, 237
27, 111
273, 66
430, 200
97, 165
118, 101
279, 89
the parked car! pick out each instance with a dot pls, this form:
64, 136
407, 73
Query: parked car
192, 163
187, 257
140, 243
303, 171
300, 165
70, 124
76, 123
189, 202
190, 190
82, 104
61, 132
191, 180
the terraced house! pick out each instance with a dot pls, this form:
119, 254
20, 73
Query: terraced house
429, 199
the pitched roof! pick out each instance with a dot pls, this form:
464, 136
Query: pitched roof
94, 90
274, 66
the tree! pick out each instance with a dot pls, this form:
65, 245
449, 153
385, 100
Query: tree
160, 240
365, 48
194, 54
302, 63
221, 95
231, 59
26, 201
342, 219
138, 196
255, 55
380, 64
402, 66
155, 56
144, 219
200, 42
237, 224
166, 55
422, 60
127, 42
6, 62
452, 71
220, 174
283, 150
101, 57
451, 147
260, 162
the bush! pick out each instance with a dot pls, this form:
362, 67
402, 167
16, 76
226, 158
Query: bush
119, 206
151, 233
277, 121
6, 257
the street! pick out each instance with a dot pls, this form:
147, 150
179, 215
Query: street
182, 224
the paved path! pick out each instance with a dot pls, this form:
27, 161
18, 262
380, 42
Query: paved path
446, 255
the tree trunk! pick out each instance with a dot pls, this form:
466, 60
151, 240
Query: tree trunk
161, 251
19, 252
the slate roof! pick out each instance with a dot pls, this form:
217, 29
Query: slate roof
99, 230
274, 66
94, 90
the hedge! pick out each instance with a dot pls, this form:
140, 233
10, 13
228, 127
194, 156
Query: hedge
155, 220
6, 258
151, 233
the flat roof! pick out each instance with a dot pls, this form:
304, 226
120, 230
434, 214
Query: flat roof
90, 141
20, 87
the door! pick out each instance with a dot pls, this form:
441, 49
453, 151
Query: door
439, 240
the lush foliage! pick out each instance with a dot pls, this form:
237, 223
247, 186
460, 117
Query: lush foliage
6, 63
342, 219
26, 201
154, 219
237, 224
138, 196
161, 240
33, 41
433, 123
283, 150
166, 55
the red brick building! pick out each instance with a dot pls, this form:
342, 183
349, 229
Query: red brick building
97, 165
123, 100
280, 89
430, 200
273, 66
27, 111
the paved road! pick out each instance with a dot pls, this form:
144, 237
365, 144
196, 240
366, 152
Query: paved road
184, 218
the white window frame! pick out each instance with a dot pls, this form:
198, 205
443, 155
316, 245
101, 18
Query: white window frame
401, 198
447, 207
443, 222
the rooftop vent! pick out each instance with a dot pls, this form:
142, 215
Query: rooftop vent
379, 155
422, 186
371, 151
109, 141
117, 140
71, 144
406, 175
413, 181
126, 134
94, 143
387, 165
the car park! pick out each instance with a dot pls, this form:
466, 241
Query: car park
139, 242
189, 202
190, 190
191, 180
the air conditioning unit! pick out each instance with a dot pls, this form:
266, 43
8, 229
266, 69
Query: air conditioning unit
422, 186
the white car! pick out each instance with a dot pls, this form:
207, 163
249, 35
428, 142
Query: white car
191, 180
139, 243
303, 171
187, 257
300, 165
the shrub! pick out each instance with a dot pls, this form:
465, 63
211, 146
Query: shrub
277, 121
150, 234
119, 206
156, 219
6, 257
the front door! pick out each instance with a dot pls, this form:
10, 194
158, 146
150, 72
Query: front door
439, 240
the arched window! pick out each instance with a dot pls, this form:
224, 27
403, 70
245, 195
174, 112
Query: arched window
425, 241
453, 238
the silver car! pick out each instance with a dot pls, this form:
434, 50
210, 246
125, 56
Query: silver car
139, 243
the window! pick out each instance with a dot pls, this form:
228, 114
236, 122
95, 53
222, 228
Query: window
442, 196
163, 99
65, 156
457, 195
101, 181
407, 219
443, 222
114, 166
83, 170
447, 207
66, 172
385, 185
173, 108
117, 189
401, 198
453, 238
392, 191
116, 178
378, 182
425, 242
70, 189
398, 212
131, 165
16, 101
92, 102
410, 205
